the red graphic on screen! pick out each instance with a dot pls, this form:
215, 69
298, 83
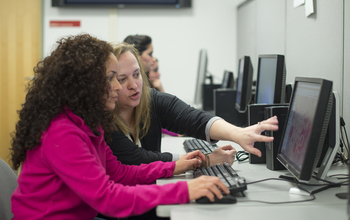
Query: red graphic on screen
299, 136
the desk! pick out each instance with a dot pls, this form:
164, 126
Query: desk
325, 206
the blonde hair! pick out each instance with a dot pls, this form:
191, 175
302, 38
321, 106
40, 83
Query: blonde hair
142, 113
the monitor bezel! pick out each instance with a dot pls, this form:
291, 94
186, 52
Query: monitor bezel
280, 79
227, 80
247, 81
319, 127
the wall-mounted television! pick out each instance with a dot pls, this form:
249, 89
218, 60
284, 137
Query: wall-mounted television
123, 3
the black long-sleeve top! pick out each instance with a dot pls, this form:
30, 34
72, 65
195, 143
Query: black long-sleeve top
169, 112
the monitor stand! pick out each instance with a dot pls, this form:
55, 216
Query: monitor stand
314, 187
317, 185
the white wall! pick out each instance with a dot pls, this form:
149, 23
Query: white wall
346, 76
93, 20
261, 29
314, 46
177, 34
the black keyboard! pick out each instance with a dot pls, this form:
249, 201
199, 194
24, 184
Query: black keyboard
198, 144
227, 175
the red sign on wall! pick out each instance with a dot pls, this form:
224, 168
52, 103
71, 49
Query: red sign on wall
64, 23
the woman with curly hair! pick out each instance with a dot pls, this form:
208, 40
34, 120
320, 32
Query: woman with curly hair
68, 171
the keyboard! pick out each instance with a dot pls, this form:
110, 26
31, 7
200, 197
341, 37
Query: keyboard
227, 175
198, 144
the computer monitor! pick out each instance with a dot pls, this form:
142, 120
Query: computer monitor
271, 79
201, 76
244, 84
304, 133
228, 80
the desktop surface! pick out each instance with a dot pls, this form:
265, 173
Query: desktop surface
325, 206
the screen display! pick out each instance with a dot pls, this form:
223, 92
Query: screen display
299, 123
240, 81
266, 81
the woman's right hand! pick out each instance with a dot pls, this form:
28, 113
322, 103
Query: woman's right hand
223, 154
206, 186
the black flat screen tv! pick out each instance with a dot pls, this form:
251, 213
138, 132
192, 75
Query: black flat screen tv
123, 3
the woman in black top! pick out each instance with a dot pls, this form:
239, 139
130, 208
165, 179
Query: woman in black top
142, 112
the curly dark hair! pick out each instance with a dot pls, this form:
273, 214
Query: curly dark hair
73, 77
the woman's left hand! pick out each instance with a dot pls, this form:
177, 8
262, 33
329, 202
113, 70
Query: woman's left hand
189, 161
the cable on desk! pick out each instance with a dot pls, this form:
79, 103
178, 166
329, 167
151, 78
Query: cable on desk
263, 180
329, 183
277, 203
286, 202
344, 143
340, 176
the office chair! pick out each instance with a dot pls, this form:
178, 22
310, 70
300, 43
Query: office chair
8, 184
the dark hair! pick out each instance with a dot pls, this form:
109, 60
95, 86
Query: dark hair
140, 42
73, 77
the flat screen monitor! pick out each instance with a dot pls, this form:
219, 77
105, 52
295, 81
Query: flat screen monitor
201, 76
271, 79
228, 80
304, 133
244, 84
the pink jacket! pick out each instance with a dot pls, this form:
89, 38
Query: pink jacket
74, 175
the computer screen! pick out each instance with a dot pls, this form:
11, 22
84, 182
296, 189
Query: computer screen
305, 130
228, 80
201, 76
244, 84
271, 79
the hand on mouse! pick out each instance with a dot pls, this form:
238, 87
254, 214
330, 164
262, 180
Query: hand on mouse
206, 186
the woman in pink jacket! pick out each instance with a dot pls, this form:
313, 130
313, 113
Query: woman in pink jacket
68, 171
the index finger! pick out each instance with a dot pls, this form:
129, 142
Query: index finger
253, 150
272, 120
197, 153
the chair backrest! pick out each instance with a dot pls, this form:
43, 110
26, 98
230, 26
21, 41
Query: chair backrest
8, 184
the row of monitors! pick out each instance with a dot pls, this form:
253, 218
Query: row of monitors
271, 81
311, 114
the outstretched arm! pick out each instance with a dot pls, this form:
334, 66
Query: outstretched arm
245, 137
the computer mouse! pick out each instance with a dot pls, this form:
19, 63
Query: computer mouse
226, 199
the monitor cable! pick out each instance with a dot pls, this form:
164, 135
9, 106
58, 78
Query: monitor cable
343, 155
277, 203
293, 180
